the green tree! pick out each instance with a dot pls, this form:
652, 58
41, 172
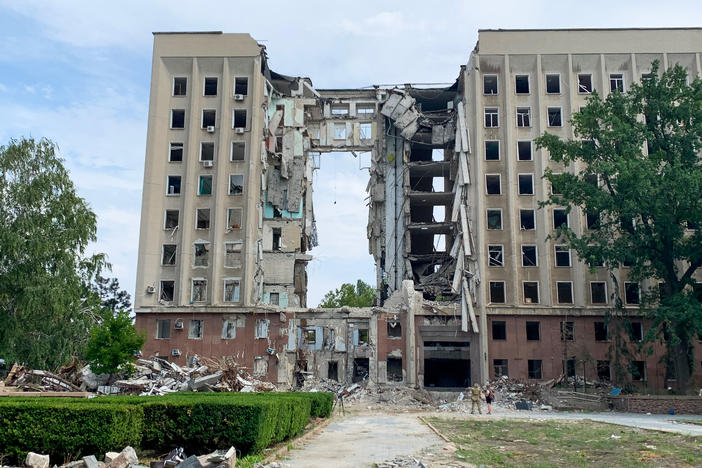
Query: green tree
46, 310
362, 295
113, 343
639, 181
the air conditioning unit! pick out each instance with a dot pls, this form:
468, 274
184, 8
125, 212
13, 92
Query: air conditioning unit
239, 129
238, 97
210, 129
150, 290
175, 352
207, 163
178, 325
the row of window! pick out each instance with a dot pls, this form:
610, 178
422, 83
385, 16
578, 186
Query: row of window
207, 151
210, 85
201, 254
524, 150
202, 218
564, 292
204, 184
535, 369
209, 118
523, 117
496, 256
196, 328
494, 218
198, 290
533, 331
522, 83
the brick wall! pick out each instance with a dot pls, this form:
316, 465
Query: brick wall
658, 404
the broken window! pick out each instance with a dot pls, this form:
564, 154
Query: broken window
210, 88
492, 119
167, 291
231, 290
233, 218
616, 82
276, 238
236, 184
309, 336
499, 367
171, 221
526, 220
340, 131
638, 370
208, 118
636, 331
228, 329
499, 330
494, 219
560, 218
361, 369
523, 116
394, 369
554, 117
646, 77
564, 292
366, 131
260, 366
562, 255
394, 329
521, 84
492, 184
524, 151
569, 367
495, 255
529, 258
601, 331
592, 220
533, 331
340, 109
556, 186
173, 185
232, 254
365, 109
567, 331
492, 150
531, 292
168, 256
497, 292
202, 218
584, 83
241, 85
207, 151
199, 290
603, 370
333, 370
526, 184
261, 328
195, 329
239, 119
553, 83
361, 337
534, 368
274, 298
202, 254
175, 153
163, 329
489, 84
204, 187
178, 118
632, 292
180, 85
238, 151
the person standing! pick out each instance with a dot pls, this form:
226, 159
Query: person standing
489, 398
475, 399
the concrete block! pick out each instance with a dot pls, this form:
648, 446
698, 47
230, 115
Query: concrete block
90, 462
190, 462
109, 456
125, 458
75, 464
36, 460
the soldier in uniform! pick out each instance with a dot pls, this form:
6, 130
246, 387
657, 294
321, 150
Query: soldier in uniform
475, 399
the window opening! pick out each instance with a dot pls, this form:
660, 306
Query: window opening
601, 331
497, 292
231, 290
234, 218
238, 150
500, 367
241, 85
236, 184
208, 118
553, 83
533, 331
567, 331
489, 84
199, 290
554, 117
239, 120
526, 184
560, 218
534, 370
531, 292
210, 86
207, 151
521, 83
178, 118
173, 185
584, 83
169, 254
523, 117
492, 184
171, 219
492, 150
491, 117
276, 238
562, 256
394, 329
205, 185
524, 151
202, 253
495, 255
176, 152
564, 292
179, 86
494, 219
195, 329
167, 291
163, 329
499, 330
616, 82
526, 220
203, 218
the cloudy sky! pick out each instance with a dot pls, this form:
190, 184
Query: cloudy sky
78, 73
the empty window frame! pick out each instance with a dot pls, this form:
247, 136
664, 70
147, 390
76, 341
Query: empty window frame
261, 328
531, 292
163, 329
232, 254
492, 117
202, 218
234, 218
177, 118
340, 131
584, 83
166, 291
631, 293
207, 150
490, 84
492, 150
201, 254
231, 289
534, 368
616, 82
533, 331
175, 152
180, 85
638, 370
210, 86
526, 220
195, 329
260, 366
553, 83
365, 131
208, 118
556, 186
204, 186
604, 371
601, 333
523, 116
560, 218
496, 255
494, 219
526, 184
239, 118
529, 256
274, 298
521, 84
276, 235
198, 291
564, 292
168, 254
340, 109
238, 151
173, 185
567, 331
499, 330
497, 292
500, 367
171, 219
636, 331
492, 184
241, 85
555, 116
524, 150
229, 329
365, 109
562, 255
394, 329
236, 184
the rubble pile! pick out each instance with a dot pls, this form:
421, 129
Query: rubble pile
509, 392
29, 380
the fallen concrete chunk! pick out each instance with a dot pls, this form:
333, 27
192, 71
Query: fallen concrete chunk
75, 464
227, 458
190, 462
36, 460
109, 456
131, 455
90, 461
125, 458
195, 384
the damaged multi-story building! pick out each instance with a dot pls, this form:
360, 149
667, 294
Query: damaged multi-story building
470, 284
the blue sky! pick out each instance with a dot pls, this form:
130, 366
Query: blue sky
78, 73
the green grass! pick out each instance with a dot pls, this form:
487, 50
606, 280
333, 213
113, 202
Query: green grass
249, 461
567, 443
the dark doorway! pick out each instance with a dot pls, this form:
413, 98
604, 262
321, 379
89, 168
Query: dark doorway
446, 373
394, 366
361, 369
333, 370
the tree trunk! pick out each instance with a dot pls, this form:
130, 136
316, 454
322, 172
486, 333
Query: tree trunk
681, 363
